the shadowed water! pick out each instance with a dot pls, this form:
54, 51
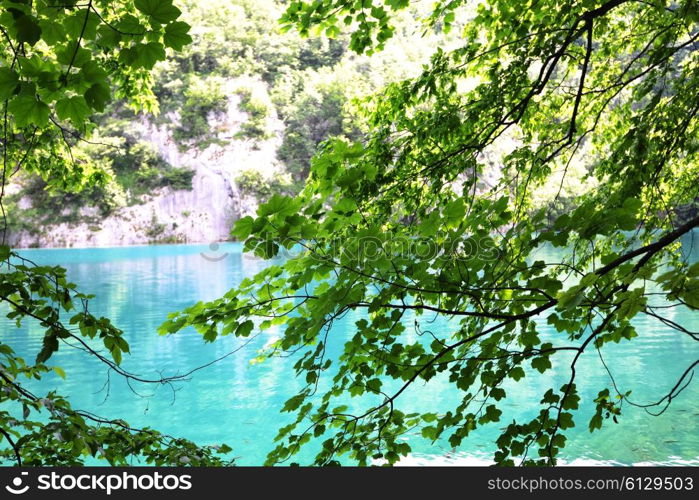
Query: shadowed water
238, 403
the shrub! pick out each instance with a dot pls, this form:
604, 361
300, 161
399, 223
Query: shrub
253, 183
253, 102
203, 97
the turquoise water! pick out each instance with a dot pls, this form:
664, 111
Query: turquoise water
238, 403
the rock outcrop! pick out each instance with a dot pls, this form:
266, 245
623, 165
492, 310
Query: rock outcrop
205, 213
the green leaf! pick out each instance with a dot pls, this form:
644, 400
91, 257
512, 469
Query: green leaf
278, 204
294, 403
108, 37
49, 346
595, 422
244, 329
455, 211
98, 96
72, 54
517, 373
176, 35
693, 270
128, 56
82, 24
541, 363
571, 298
29, 110
492, 414
345, 205
28, 30
691, 294
374, 385
74, 109
566, 421
8, 83
497, 393
130, 25
51, 31
243, 228
430, 433
210, 334
224, 449
116, 356
161, 11
93, 72
147, 54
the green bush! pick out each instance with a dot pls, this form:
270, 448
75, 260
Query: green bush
139, 169
258, 110
253, 183
313, 107
203, 96
177, 178
155, 229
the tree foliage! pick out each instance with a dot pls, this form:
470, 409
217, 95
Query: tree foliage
237, 49
61, 62
404, 221
411, 219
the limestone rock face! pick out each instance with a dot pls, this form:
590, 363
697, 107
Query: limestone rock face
204, 214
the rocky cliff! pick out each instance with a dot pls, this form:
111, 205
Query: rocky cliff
205, 213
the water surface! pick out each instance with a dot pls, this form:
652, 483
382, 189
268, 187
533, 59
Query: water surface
238, 403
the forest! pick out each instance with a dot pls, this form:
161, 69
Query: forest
307, 84
457, 229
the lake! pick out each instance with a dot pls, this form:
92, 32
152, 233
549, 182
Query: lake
236, 402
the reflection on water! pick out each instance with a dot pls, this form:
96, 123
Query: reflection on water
238, 403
